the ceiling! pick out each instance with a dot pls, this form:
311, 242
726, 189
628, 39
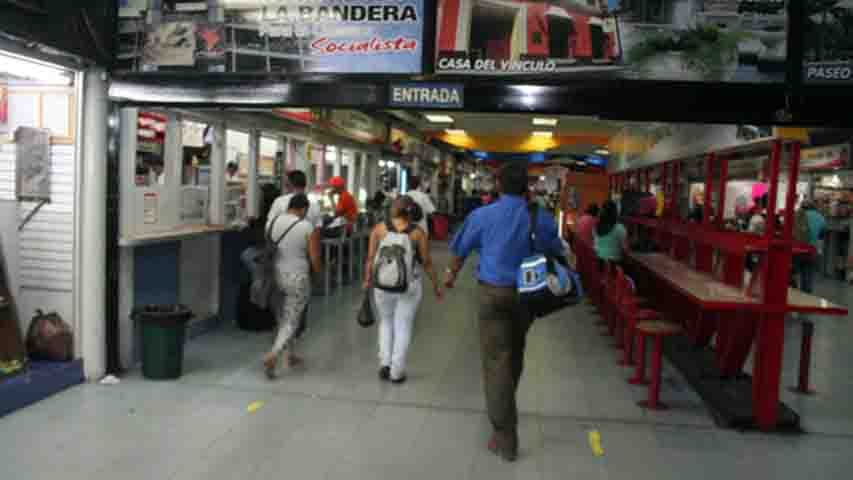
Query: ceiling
511, 133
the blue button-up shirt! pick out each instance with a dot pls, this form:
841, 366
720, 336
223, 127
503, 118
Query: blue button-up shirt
500, 232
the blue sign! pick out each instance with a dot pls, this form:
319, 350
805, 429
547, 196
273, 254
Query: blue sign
427, 95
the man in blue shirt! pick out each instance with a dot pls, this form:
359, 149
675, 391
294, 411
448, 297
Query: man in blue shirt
500, 232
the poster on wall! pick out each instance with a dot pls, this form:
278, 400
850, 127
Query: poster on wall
4, 105
171, 44
828, 41
279, 36
685, 40
33, 164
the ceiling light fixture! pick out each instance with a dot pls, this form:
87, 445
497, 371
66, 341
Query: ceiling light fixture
602, 151
17, 67
455, 131
439, 118
545, 122
543, 134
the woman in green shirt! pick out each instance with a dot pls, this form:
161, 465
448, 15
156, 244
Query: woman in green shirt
610, 236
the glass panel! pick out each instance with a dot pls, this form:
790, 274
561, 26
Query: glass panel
196, 153
23, 111
150, 142
56, 114
266, 163
236, 176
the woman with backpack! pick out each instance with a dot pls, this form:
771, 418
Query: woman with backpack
297, 253
397, 258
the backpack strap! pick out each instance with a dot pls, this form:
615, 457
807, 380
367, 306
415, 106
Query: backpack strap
277, 242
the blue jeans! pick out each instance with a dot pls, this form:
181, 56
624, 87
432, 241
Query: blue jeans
805, 265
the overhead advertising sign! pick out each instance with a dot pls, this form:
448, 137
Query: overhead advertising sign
356, 125
280, 36
827, 42
719, 41
427, 96
825, 158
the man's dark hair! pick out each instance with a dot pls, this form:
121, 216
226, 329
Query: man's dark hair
298, 202
592, 210
513, 178
414, 182
297, 179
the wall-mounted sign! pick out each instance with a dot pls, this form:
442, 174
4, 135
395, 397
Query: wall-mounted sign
825, 158
826, 38
33, 164
427, 95
282, 36
721, 40
356, 125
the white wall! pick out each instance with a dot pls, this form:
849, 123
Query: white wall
39, 259
686, 140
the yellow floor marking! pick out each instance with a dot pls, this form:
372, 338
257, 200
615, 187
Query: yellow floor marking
595, 443
254, 407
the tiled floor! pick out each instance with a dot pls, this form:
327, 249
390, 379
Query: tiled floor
335, 420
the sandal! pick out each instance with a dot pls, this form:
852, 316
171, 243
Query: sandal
270, 361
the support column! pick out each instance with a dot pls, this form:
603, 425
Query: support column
91, 236
336, 162
252, 190
217, 175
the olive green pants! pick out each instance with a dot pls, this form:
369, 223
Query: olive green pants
503, 332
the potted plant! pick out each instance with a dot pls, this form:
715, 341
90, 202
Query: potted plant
703, 53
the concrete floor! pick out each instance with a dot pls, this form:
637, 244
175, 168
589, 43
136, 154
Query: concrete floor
335, 420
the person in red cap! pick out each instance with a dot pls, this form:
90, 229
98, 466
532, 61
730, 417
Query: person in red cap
346, 205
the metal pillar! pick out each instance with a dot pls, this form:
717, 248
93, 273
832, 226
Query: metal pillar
100, 334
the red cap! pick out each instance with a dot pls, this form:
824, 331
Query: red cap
337, 182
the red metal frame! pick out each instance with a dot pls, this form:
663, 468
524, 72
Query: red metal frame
739, 326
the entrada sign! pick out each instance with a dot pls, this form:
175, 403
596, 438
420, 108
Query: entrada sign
427, 95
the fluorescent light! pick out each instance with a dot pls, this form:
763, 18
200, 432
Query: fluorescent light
455, 131
439, 118
18, 67
542, 178
602, 151
545, 122
543, 134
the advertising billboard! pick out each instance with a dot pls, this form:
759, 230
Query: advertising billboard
828, 41
682, 40
277, 36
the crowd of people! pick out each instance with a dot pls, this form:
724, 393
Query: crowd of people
499, 232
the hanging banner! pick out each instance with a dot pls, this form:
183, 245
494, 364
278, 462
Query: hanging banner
825, 158
356, 125
712, 41
826, 35
280, 36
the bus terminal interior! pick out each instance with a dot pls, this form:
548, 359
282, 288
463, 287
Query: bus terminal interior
191, 185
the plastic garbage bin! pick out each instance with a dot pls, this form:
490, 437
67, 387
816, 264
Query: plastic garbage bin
163, 332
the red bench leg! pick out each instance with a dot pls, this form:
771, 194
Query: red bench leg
639, 377
627, 345
653, 402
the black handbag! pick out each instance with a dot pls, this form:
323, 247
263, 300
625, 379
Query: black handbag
366, 317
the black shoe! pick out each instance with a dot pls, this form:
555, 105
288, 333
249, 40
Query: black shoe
385, 373
399, 381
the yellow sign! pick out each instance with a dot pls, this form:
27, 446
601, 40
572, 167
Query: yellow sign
792, 133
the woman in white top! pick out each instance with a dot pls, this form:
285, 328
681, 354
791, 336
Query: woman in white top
397, 311
298, 253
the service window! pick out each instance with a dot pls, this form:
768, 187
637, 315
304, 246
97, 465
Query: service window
236, 174
195, 174
151, 166
269, 154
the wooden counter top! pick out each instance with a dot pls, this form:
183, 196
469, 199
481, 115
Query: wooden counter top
712, 294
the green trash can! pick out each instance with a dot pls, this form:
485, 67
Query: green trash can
163, 333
